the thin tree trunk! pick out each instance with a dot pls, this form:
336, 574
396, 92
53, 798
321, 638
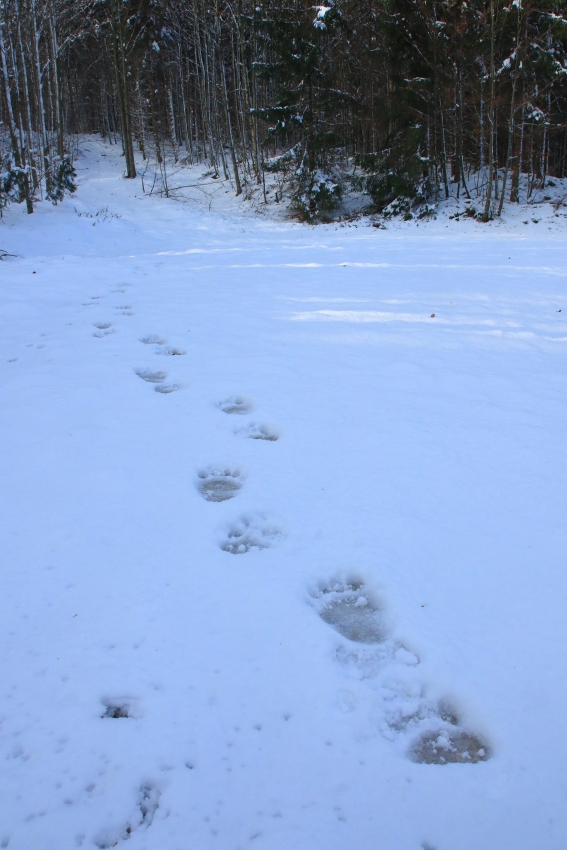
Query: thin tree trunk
122, 89
23, 177
486, 214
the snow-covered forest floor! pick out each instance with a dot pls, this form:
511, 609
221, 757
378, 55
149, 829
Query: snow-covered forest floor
283, 528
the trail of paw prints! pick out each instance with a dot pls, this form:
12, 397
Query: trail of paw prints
241, 405
161, 347
44, 339
147, 804
432, 732
157, 377
253, 531
122, 287
219, 485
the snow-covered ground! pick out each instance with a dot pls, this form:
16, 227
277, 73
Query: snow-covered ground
283, 522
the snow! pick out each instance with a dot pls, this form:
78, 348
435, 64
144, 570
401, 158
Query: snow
283, 600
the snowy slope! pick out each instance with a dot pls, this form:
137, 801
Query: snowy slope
216, 640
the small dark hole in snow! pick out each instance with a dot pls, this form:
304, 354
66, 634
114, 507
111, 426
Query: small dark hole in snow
116, 711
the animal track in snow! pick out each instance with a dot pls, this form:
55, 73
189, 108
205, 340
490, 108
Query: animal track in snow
151, 376
236, 404
251, 532
218, 485
171, 352
449, 746
259, 432
434, 730
125, 310
147, 804
167, 388
353, 612
103, 329
153, 339
118, 708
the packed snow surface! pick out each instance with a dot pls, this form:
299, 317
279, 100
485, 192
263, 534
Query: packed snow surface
283, 517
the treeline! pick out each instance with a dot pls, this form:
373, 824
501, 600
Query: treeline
408, 101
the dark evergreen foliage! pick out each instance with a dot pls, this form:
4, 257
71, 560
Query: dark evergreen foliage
409, 101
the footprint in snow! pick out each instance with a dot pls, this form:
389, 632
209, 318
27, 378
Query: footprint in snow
259, 432
151, 376
251, 532
125, 310
436, 732
171, 351
352, 611
103, 329
153, 339
165, 389
147, 804
157, 377
236, 404
118, 708
218, 485
449, 746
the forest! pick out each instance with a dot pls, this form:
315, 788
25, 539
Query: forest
407, 102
